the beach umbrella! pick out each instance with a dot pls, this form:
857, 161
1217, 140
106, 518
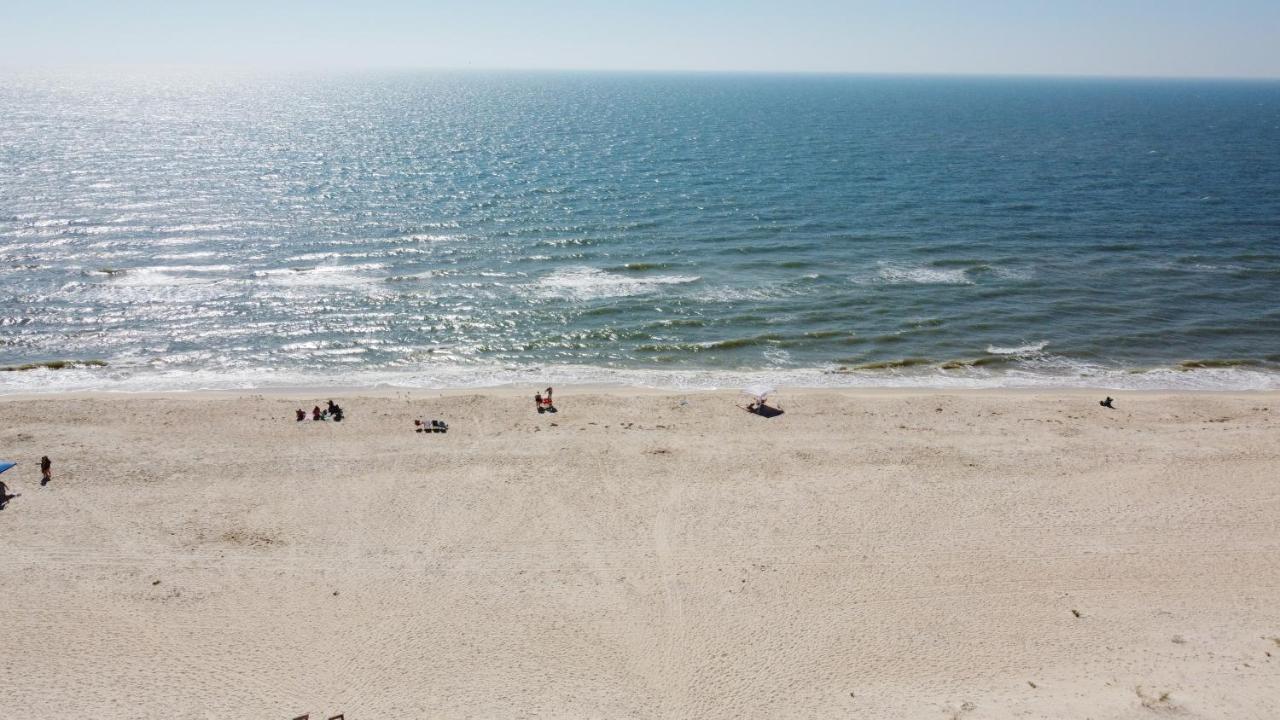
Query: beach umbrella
759, 392
5, 465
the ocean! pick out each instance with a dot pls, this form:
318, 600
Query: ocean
450, 229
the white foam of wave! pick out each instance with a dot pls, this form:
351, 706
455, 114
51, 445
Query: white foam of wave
142, 286
1212, 268
185, 256
177, 241
586, 283
729, 293
454, 374
144, 291
319, 276
193, 227
430, 238
149, 277
191, 283
893, 274
777, 357
105, 230
171, 269
1018, 350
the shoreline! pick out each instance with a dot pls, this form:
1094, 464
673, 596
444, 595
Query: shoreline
485, 379
562, 390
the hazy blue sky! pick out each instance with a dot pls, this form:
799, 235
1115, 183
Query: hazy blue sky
1087, 37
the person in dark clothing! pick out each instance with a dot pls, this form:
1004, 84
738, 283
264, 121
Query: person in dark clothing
46, 470
302, 414
316, 414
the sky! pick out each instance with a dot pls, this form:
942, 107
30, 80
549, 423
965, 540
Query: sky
1228, 38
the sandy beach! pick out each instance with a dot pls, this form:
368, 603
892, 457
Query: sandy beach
875, 554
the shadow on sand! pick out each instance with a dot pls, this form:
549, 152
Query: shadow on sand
764, 411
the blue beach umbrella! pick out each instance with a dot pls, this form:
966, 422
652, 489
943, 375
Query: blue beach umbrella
5, 465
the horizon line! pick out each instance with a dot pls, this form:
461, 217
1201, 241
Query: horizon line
341, 69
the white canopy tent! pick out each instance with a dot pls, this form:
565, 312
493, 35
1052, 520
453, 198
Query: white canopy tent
759, 392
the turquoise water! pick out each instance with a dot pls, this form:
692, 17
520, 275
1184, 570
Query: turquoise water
444, 229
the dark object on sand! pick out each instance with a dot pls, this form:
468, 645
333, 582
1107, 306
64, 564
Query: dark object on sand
758, 395
543, 402
302, 414
763, 410
46, 470
1107, 403
5, 497
334, 411
433, 426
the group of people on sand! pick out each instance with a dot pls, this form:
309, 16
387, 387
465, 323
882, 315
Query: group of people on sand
331, 412
423, 425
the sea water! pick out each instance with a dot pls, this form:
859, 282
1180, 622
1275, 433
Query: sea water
449, 229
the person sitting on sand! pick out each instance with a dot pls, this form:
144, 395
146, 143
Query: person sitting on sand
547, 405
46, 470
316, 415
537, 402
302, 414
332, 411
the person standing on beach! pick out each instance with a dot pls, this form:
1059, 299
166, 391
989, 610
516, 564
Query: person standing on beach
46, 470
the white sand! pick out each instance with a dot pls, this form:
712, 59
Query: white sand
868, 554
